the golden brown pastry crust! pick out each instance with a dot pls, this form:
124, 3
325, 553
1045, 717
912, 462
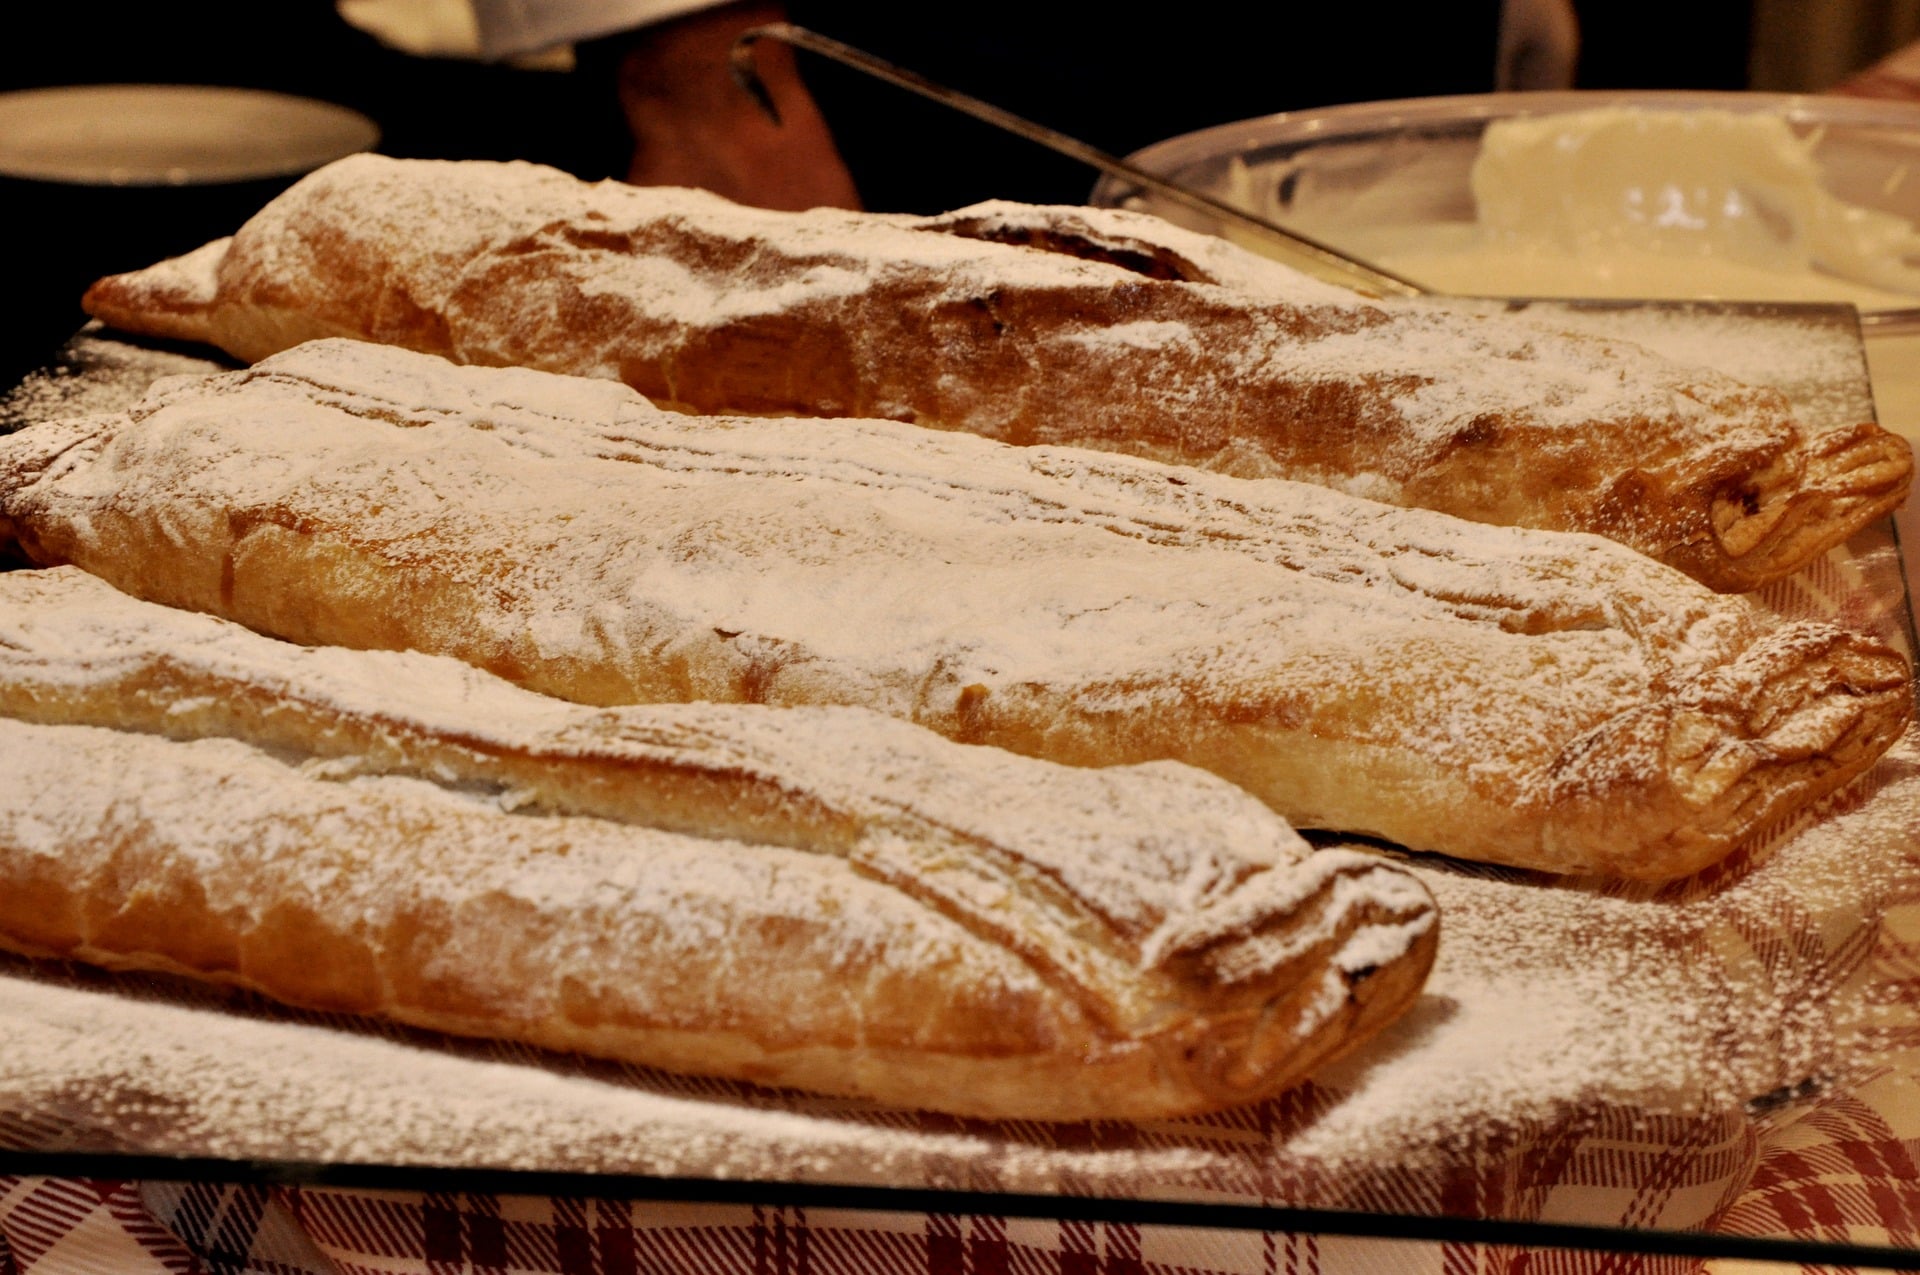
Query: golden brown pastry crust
1033, 325
823, 898
1531, 698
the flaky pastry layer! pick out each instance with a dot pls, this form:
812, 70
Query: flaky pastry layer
822, 898
1546, 700
1034, 325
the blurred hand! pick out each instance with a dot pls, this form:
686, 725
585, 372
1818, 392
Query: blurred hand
693, 126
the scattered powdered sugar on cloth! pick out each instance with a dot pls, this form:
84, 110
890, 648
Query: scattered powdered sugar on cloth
1547, 999
176, 1071
1811, 353
93, 374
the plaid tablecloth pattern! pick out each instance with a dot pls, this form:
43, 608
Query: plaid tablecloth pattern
75, 1227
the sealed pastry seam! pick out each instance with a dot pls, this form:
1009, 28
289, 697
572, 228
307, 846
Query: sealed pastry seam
1749, 743
1033, 326
1055, 943
1395, 672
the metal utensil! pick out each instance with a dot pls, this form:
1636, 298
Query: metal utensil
1295, 249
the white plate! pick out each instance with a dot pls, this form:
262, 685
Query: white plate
171, 135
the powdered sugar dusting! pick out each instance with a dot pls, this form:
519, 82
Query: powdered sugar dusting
320, 847
872, 563
516, 264
1810, 353
173, 1071
450, 219
1568, 999
93, 375
1101, 875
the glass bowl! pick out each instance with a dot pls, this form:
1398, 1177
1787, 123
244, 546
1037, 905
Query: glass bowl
1366, 178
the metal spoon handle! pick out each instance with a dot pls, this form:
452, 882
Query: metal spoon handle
1309, 254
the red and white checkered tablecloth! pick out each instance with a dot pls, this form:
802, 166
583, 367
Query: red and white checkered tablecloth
1838, 1168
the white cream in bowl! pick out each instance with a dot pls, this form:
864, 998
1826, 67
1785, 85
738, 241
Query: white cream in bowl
1629, 201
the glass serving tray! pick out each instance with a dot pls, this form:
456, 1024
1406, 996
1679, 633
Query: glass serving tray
1451, 1127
